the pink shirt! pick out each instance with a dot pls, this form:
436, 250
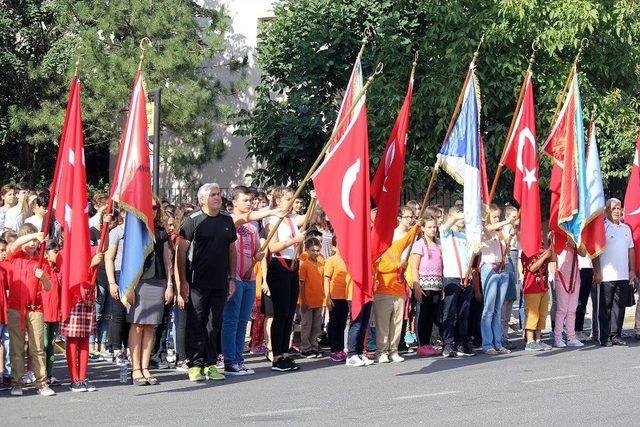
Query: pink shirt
247, 246
430, 267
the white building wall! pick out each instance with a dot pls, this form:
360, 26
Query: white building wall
242, 37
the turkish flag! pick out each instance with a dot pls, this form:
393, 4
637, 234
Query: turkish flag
632, 202
342, 188
387, 181
521, 156
70, 204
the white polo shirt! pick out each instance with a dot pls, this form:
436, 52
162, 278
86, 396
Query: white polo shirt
614, 261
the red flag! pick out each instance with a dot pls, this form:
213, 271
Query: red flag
521, 156
565, 145
387, 181
342, 187
132, 179
632, 202
70, 204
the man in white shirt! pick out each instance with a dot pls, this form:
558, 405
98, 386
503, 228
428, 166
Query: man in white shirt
613, 270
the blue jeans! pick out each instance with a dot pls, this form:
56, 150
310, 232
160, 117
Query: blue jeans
4, 341
103, 316
234, 321
357, 330
494, 288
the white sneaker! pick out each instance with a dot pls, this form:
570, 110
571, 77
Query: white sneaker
46, 391
575, 342
383, 358
355, 361
560, 343
16, 390
396, 358
366, 360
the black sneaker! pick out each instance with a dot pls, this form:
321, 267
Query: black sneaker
618, 341
308, 354
607, 343
465, 350
293, 364
448, 351
281, 365
78, 387
89, 386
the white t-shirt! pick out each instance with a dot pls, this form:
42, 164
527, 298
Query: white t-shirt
35, 221
493, 249
286, 231
614, 261
584, 262
14, 218
450, 266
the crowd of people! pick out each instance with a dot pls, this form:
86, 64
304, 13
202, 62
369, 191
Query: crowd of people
208, 294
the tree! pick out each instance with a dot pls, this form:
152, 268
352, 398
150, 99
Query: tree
309, 48
190, 51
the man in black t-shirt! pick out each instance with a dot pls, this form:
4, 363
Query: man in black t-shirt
206, 239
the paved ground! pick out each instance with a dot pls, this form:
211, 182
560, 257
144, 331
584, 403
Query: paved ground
588, 386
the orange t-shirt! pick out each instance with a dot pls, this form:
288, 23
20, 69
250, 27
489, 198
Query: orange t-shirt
257, 270
336, 270
311, 274
389, 278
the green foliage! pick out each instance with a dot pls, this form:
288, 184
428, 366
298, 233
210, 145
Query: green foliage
302, 82
190, 50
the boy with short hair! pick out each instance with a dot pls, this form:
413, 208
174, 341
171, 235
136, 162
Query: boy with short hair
51, 307
26, 282
535, 289
336, 280
312, 297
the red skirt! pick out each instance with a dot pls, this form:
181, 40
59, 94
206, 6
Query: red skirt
81, 322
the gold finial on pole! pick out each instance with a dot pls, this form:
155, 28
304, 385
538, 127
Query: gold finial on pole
477, 52
143, 49
80, 54
535, 47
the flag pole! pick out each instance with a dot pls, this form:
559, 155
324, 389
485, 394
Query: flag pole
318, 160
46, 224
109, 208
583, 44
305, 225
456, 110
534, 48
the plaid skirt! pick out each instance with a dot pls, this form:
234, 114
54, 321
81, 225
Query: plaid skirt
81, 322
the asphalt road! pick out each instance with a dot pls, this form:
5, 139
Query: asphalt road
587, 386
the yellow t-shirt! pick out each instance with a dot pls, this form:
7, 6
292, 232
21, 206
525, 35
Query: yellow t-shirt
389, 279
311, 277
336, 270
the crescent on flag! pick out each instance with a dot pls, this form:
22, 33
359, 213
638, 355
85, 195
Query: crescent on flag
348, 180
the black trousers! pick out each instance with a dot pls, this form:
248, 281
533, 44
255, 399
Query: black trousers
428, 313
119, 327
455, 312
204, 322
586, 281
337, 323
284, 286
159, 353
611, 313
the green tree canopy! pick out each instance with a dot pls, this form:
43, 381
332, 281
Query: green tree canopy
309, 48
39, 41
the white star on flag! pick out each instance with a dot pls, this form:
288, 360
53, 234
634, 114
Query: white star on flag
529, 177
